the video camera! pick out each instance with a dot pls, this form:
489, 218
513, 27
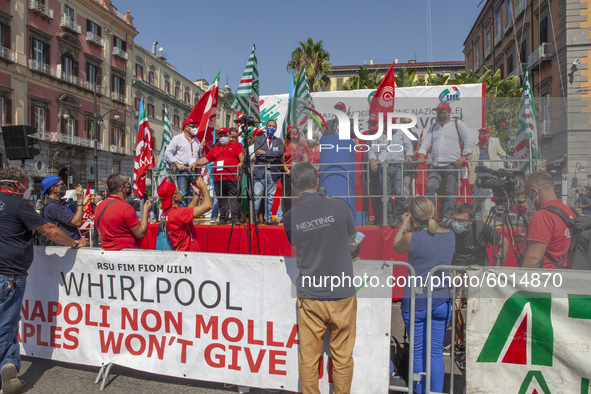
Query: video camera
501, 182
247, 121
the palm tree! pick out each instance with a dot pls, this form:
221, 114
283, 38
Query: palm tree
315, 59
363, 80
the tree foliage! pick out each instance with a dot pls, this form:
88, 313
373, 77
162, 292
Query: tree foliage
315, 59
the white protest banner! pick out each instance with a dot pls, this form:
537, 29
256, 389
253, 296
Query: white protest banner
466, 102
528, 331
214, 317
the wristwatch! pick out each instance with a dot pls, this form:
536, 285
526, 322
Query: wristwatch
77, 244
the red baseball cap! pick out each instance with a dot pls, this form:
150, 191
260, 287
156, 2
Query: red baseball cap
223, 130
442, 106
189, 121
165, 192
340, 104
485, 129
373, 118
257, 132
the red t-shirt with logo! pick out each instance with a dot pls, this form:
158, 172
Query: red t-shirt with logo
116, 224
550, 229
229, 156
179, 223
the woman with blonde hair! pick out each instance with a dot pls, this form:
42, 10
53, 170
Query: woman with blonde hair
427, 245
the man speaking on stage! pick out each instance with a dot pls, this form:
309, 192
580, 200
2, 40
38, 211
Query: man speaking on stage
322, 230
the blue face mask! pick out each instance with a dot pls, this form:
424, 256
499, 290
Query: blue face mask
271, 130
457, 227
312, 142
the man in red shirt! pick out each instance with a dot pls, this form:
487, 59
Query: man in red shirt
227, 156
116, 220
548, 237
179, 220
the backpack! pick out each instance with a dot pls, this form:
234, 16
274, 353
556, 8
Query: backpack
40, 239
163, 241
399, 357
580, 250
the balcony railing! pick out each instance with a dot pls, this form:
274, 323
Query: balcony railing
61, 75
6, 53
539, 55
508, 25
123, 150
118, 97
120, 53
38, 66
67, 23
40, 9
521, 4
66, 139
90, 86
95, 39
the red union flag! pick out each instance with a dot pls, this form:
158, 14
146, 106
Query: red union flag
205, 111
144, 153
383, 99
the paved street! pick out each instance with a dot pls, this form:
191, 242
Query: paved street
42, 376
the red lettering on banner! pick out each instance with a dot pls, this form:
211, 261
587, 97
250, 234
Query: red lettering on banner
159, 346
110, 342
67, 309
53, 336
87, 317
212, 325
125, 316
38, 311
51, 312
178, 323
129, 346
105, 309
225, 333
292, 337
184, 345
234, 364
25, 309
250, 330
70, 337
29, 331
156, 315
274, 361
221, 359
254, 366
39, 341
270, 341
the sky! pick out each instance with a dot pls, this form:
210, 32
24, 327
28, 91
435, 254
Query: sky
204, 37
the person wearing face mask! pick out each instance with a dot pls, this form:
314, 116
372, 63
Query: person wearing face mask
183, 151
585, 202
56, 212
18, 219
486, 153
293, 152
116, 220
445, 139
314, 150
394, 152
268, 149
472, 239
548, 237
227, 156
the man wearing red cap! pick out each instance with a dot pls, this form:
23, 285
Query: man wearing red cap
179, 220
184, 149
333, 124
486, 149
451, 142
227, 156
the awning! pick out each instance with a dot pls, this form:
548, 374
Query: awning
555, 164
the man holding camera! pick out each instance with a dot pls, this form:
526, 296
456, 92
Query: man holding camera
18, 219
56, 212
268, 149
227, 156
486, 150
183, 151
451, 143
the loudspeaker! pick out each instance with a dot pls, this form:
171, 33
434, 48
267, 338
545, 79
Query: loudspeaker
18, 143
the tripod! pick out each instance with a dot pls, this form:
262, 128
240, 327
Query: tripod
500, 212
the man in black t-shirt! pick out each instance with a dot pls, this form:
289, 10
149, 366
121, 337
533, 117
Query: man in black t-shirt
322, 230
56, 212
18, 219
472, 239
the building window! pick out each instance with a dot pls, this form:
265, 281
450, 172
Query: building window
196, 98
339, 83
117, 85
176, 120
150, 110
136, 104
167, 85
477, 56
93, 73
39, 118
151, 77
499, 25
488, 41
5, 35
139, 71
544, 30
227, 120
177, 91
187, 98
69, 12
119, 43
546, 113
510, 65
523, 51
93, 28
68, 65
116, 167
68, 127
117, 136
38, 50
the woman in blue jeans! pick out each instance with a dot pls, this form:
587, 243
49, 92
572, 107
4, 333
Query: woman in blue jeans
427, 246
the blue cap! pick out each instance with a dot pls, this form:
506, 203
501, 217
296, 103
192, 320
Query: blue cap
49, 182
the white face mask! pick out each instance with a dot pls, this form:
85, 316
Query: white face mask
26, 194
193, 131
531, 202
224, 141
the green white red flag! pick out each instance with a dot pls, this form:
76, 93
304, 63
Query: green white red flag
162, 168
526, 142
144, 153
246, 98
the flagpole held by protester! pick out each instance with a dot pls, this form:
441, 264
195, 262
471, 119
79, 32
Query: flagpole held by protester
162, 168
144, 155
